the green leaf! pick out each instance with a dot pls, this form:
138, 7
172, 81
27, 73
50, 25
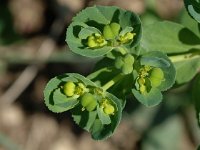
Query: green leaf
97, 17
52, 85
99, 126
168, 37
83, 79
84, 119
187, 69
55, 100
154, 97
85, 32
190, 23
154, 61
104, 118
196, 95
108, 129
61, 100
165, 64
193, 8
76, 44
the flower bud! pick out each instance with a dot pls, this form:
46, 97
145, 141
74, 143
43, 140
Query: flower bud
119, 62
127, 68
69, 88
156, 77
109, 109
107, 32
115, 27
129, 59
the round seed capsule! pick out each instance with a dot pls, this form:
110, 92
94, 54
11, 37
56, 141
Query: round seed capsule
119, 62
115, 27
127, 68
141, 81
129, 59
91, 106
109, 109
69, 88
88, 101
156, 77
157, 72
107, 32
155, 82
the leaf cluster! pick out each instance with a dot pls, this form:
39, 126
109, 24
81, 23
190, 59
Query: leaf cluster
137, 61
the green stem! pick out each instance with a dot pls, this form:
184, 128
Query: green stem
183, 57
97, 72
112, 82
122, 50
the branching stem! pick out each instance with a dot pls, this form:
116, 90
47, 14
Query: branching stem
182, 57
112, 82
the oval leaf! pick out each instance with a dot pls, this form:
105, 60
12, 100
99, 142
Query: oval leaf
165, 64
55, 100
168, 37
186, 69
99, 126
154, 97
96, 18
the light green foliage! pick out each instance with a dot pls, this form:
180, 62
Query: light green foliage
107, 32
75, 92
151, 80
131, 64
110, 31
176, 38
81, 33
115, 27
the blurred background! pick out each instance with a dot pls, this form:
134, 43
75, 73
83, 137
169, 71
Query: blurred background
33, 50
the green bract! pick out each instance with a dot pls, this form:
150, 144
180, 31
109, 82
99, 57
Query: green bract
125, 63
85, 99
100, 124
62, 92
129, 66
156, 74
95, 31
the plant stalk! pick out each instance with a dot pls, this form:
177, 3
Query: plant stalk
112, 82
